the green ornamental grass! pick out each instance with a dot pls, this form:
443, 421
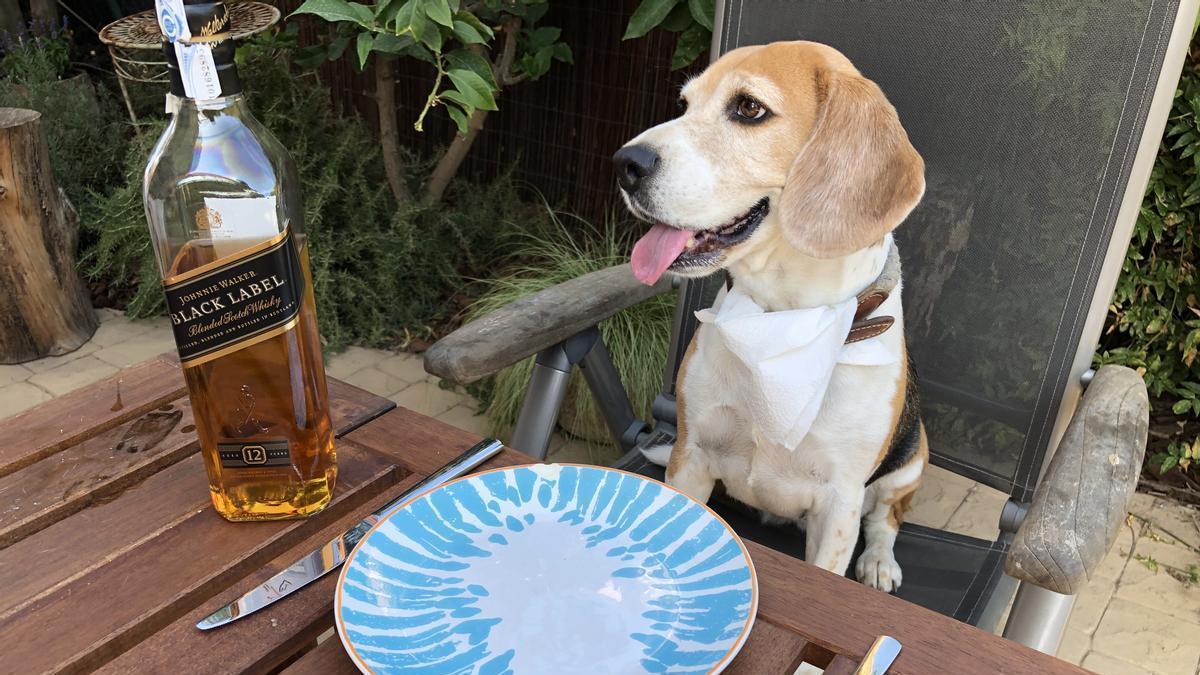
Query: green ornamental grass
637, 338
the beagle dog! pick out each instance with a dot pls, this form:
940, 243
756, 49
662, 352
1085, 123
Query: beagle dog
789, 169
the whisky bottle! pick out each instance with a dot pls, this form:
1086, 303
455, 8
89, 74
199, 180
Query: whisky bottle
223, 204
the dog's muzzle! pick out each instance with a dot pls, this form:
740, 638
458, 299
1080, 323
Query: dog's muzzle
634, 164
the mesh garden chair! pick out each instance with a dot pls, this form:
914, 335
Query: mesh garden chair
1038, 122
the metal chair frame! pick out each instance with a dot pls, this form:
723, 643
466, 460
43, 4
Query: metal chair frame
1038, 616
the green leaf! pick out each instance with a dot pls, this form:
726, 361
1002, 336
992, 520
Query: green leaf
537, 64
467, 34
691, 44
702, 11
473, 21
460, 119
530, 12
426, 31
562, 52
1168, 463
543, 37
473, 88
365, 15
393, 44
363, 45
310, 58
454, 95
404, 17
336, 10
337, 46
420, 52
439, 11
678, 20
386, 11
465, 59
647, 15
433, 38
1181, 407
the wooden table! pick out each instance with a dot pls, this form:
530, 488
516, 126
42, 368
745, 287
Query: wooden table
110, 551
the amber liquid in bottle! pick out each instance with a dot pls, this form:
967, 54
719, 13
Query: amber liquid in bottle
271, 390
223, 203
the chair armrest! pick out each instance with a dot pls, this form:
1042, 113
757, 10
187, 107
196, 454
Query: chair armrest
525, 327
1083, 497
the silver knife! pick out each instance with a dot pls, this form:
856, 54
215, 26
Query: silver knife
879, 657
331, 556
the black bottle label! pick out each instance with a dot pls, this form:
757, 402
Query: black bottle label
237, 301
255, 454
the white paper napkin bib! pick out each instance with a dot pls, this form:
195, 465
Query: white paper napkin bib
788, 359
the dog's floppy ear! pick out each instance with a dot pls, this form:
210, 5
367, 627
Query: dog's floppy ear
856, 178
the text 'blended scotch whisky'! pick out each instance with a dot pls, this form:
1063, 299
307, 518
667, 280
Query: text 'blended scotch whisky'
224, 207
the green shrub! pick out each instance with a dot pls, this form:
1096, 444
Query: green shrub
637, 338
380, 272
39, 52
1154, 320
115, 252
84, 128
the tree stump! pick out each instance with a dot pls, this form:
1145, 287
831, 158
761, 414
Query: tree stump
11, 19
44, 307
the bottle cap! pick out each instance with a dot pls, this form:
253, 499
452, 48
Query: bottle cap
199, 48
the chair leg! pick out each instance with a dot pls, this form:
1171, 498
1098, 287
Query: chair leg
543, 398
1038, 618
605, 383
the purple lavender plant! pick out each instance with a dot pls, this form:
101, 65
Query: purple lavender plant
38, 51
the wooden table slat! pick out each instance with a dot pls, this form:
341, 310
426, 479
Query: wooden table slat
769, 649
844, 665
327, 658
41, 431
111, 608
65, 482
787, 584
94, 536
422, 444
351, 407
274, 630
102, 465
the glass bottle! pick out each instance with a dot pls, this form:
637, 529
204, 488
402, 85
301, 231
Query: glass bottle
223, 203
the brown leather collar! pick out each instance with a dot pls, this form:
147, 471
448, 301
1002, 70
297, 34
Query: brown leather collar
866, 326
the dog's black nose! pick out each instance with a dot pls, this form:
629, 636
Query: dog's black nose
634, 163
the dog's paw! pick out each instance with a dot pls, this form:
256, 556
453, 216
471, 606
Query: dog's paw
877, 567
659, 454
774, 520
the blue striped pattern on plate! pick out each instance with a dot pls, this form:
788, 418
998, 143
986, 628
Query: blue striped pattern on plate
548, 569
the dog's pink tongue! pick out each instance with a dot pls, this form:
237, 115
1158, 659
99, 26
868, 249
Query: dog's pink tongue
655, 251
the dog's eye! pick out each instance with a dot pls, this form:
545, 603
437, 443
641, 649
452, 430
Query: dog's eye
682, 103
749, 109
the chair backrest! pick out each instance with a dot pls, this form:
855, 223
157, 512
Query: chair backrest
1038, 121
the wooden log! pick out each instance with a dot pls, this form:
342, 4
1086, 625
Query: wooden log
11, 18
44, 306
1080, 505
528, 325
44, 10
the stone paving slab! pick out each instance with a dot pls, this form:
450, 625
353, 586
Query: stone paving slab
69, 376
20, 396
1135, 617
15, 373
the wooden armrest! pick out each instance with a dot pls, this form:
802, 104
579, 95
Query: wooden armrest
1082, 500
525, 327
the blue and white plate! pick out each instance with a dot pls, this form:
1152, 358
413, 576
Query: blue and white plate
553, 569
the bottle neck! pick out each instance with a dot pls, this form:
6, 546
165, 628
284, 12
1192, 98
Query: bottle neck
231, 104
202, 71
